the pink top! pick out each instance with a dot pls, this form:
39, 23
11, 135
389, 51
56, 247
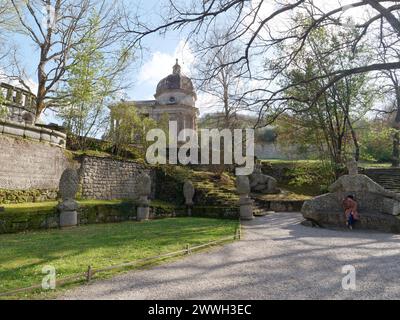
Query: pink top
351, 207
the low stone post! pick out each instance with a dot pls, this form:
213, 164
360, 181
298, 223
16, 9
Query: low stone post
188, 192
245, 202
68, 207
144, 191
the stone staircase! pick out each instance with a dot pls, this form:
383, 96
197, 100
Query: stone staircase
389, 178
211, 191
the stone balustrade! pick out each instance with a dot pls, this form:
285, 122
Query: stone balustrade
19, 102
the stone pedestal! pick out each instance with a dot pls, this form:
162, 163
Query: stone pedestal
188, 192
144, 191
143, 213
189, 209
68, 219
245, 203
246, 208
68, 213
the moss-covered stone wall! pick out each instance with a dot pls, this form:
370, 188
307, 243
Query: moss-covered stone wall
30, 195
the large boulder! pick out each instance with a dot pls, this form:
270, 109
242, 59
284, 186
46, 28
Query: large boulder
379, 208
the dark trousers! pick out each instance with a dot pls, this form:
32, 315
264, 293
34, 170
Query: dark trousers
351, 220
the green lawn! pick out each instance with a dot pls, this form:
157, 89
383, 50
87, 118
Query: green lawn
22, 256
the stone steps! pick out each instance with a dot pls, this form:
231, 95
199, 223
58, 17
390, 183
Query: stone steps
389, 178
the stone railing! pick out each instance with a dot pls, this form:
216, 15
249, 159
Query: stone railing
31, 132
20, 103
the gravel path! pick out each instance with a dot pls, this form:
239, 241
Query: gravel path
278, 259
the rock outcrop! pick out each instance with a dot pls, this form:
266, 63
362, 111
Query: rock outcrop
379, 208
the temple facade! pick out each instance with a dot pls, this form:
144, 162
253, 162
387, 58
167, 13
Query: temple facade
175, 96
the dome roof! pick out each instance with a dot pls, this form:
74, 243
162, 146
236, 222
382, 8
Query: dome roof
176, 81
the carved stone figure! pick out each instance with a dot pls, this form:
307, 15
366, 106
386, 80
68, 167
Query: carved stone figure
188, 192
352, 167
245, 203
261, 183
69, 184
144, 191
379, 208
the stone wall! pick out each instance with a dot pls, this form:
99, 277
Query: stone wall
33, 133
30, 165
109, 179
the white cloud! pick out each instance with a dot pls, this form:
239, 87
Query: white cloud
161, 63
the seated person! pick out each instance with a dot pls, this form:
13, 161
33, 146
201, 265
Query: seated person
351, 211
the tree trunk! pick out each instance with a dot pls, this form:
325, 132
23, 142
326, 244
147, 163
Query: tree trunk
396, 150
355, 140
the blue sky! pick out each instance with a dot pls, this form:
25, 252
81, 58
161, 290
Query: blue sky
150, 66
154, 64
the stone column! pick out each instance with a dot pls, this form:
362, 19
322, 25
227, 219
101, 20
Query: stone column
68, 207
245, 203
144, 191
188, 192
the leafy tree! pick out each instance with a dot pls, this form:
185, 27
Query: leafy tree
328, 123
376, 141
131, 128
92, 80
57, 28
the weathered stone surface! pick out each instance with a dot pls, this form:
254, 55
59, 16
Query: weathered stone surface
379, 208
144, 185
45, 135
188, 192
243, 185
28, 118
68, 205
69, 184
28, 165
261, 183
246, 209
245, 203
14, 129
108, 179
143, 213
68, 219
352, 167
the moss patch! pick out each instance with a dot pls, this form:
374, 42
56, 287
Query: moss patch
23, 196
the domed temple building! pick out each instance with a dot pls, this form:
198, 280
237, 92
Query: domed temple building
175, 96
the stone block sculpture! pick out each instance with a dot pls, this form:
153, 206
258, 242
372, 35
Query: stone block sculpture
69, 184
261, 183
188, 192
245, 202
144, 192
379, 208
